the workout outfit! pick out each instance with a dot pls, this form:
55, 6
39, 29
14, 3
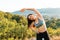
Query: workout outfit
41, 35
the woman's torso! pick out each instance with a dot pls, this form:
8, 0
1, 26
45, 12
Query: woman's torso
41, 28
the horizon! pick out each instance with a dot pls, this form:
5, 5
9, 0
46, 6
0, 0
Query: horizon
49, 11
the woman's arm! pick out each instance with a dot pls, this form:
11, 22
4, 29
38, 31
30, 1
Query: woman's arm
33, 9
33, 28
38, 14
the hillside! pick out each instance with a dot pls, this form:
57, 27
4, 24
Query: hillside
15, 27
52, 12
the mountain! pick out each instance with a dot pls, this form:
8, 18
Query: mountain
52, 12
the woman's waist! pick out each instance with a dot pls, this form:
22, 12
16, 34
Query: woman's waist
42, 29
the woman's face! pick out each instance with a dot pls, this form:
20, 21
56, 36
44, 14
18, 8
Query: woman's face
32, 17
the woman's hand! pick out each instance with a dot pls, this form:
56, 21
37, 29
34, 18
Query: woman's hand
33, 9
30, 9
22, 10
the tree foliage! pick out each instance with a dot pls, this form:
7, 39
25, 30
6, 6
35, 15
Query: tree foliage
13, 26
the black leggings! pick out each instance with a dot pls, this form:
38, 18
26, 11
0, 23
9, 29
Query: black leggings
43, 35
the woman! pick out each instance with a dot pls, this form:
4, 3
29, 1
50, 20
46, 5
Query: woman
37, 24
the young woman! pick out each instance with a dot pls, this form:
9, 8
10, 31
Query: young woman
37, 24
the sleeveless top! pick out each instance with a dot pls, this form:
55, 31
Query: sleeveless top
39, 24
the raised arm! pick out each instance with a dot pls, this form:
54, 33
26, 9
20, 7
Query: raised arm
33, 9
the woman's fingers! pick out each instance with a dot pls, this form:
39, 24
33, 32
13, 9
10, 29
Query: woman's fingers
22, 10
30, 9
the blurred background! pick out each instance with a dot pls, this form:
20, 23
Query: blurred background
13, 25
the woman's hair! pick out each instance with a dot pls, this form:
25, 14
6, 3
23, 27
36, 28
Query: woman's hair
29, 21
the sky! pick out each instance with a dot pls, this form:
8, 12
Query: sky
13, 5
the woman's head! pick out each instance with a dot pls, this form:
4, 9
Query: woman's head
30, 18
